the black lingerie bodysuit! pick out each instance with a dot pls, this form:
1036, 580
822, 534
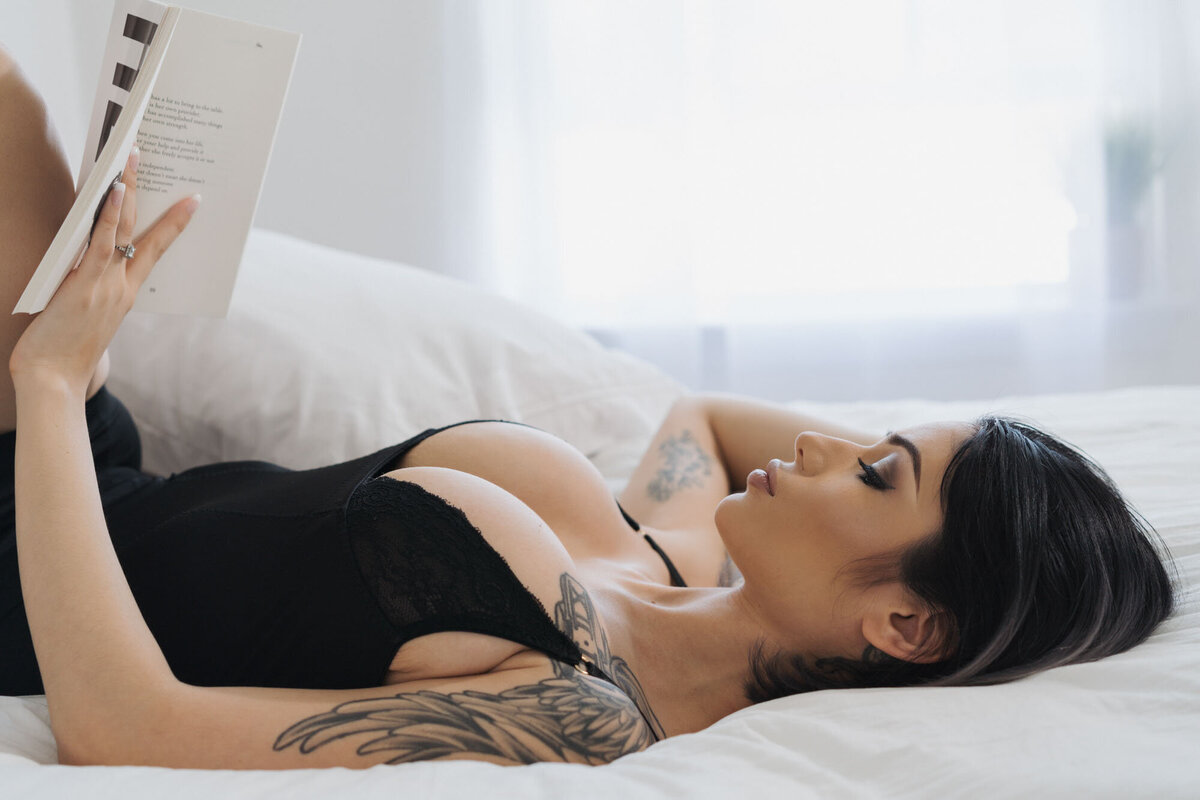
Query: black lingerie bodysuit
249, 574
431, 570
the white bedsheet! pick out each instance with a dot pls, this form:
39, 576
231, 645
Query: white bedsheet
1126, 726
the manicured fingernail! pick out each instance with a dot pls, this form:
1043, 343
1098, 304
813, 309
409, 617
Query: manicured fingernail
192, 204
134, 155
117, 194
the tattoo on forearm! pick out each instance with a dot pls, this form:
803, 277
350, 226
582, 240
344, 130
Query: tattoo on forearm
685, 465
729, 575
568, 717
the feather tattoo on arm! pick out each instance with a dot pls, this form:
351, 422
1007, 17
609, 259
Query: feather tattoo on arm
575, 615
557, 719
568, 718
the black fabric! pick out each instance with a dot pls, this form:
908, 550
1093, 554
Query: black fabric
432, 570
250, 574
244, 575
633, 523
676, 578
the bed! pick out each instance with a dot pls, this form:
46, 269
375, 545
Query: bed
328, 355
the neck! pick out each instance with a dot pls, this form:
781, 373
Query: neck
687, 649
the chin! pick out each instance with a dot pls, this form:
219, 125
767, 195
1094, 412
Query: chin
729, 516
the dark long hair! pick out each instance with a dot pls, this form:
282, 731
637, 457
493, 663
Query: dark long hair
1039, 562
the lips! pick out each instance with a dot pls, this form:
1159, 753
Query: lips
763, 479
772, 472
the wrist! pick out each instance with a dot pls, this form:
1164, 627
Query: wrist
42, 382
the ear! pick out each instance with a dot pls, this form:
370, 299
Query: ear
904, 628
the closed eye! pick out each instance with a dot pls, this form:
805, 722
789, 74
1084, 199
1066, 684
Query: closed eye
871, 477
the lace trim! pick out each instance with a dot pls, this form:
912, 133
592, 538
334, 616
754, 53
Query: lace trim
431, 570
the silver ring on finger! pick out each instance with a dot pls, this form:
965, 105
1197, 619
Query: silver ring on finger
126, 250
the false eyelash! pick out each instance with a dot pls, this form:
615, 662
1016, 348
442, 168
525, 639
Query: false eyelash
871, 477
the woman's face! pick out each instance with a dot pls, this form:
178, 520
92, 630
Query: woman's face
801, 523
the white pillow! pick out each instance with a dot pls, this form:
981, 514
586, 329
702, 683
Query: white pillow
326, 356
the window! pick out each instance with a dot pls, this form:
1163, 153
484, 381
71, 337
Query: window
735, 175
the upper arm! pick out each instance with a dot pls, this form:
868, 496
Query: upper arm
706, 447
516, 716
681, 476
749, 432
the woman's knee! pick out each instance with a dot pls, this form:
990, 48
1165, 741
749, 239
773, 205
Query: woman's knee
38, 192
33, 165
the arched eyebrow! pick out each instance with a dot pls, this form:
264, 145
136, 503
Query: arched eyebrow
899, 441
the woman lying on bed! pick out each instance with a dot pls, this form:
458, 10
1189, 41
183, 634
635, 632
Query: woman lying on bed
476, 592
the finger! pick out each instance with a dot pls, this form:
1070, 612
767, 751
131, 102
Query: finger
129, 206
104, 235
155, 241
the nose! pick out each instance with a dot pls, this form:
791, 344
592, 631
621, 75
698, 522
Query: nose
816, 451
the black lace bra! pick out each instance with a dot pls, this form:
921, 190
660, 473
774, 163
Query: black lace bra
431, 570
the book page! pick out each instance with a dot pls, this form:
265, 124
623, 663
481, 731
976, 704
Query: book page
134, 23
73, 235
208, 128
204, 101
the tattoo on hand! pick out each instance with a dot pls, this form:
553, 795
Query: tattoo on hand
685, 465
569, 717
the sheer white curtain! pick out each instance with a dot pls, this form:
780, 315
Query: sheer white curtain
858, 199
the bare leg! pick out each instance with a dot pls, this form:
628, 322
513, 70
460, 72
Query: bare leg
37, 192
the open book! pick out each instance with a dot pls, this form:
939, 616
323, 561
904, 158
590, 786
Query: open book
202, 96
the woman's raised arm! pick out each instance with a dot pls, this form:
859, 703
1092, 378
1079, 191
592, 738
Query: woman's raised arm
93, 647
706, 447
749, 433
